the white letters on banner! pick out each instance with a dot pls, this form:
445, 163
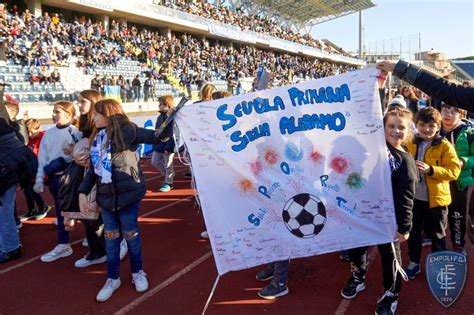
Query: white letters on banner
291, 172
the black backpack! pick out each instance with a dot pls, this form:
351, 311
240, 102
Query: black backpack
69, 182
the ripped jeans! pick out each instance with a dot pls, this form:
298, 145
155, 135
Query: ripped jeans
118, 224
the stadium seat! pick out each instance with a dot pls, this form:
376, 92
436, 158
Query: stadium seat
48, 97
58, 96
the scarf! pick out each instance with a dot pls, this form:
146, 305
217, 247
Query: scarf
101, 158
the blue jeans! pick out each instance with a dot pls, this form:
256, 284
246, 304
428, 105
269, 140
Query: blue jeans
124, 222
9, 239
136, 93
280, 271
63, 235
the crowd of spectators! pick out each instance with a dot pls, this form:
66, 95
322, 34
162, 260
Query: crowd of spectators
257, 23
49, 40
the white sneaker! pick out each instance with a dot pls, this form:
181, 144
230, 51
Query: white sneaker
140, 281
85, 243
83, 262
123, 249
204, 234
60, 251
108, 289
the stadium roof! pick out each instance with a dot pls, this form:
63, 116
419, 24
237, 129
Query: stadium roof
310, 12
465, 68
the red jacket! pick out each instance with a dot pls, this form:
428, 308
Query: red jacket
34, 143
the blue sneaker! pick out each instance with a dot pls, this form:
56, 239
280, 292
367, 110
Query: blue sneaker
272, 291
166, 187
387, 304
265, 274
412, 272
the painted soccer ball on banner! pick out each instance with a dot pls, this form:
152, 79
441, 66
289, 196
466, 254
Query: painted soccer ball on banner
304, 215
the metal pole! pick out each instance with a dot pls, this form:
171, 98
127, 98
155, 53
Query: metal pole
419, 44
391, 48
361, 36
401, 47
409, 48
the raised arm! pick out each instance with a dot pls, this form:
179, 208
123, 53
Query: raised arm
453, 94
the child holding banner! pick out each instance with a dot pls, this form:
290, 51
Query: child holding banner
115, 168
397, 126
438, 164
163, 153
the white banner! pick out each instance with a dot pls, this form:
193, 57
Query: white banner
291, 172
231, 32
105, 5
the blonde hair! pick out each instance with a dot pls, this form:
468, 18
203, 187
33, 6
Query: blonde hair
206, 91
31, 124
167, 100
69, 108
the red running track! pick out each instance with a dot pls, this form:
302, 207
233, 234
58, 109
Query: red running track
181, 273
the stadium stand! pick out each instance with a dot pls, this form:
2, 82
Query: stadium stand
179, 62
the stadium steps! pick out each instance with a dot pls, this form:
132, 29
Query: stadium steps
174, 82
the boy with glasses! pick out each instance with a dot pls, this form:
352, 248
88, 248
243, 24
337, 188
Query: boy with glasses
460, 135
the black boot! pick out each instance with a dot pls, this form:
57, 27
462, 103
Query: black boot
14, 254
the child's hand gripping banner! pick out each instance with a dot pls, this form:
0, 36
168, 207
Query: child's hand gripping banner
291, 172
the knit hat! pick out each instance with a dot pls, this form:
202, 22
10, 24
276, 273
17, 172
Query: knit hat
398, 101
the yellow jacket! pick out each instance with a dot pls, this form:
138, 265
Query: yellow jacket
445, 167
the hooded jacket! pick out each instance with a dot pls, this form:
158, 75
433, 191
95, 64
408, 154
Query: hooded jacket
444, 167
459, 137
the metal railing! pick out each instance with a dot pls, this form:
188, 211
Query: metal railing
430, 68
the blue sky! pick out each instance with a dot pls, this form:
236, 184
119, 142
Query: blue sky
445, 25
